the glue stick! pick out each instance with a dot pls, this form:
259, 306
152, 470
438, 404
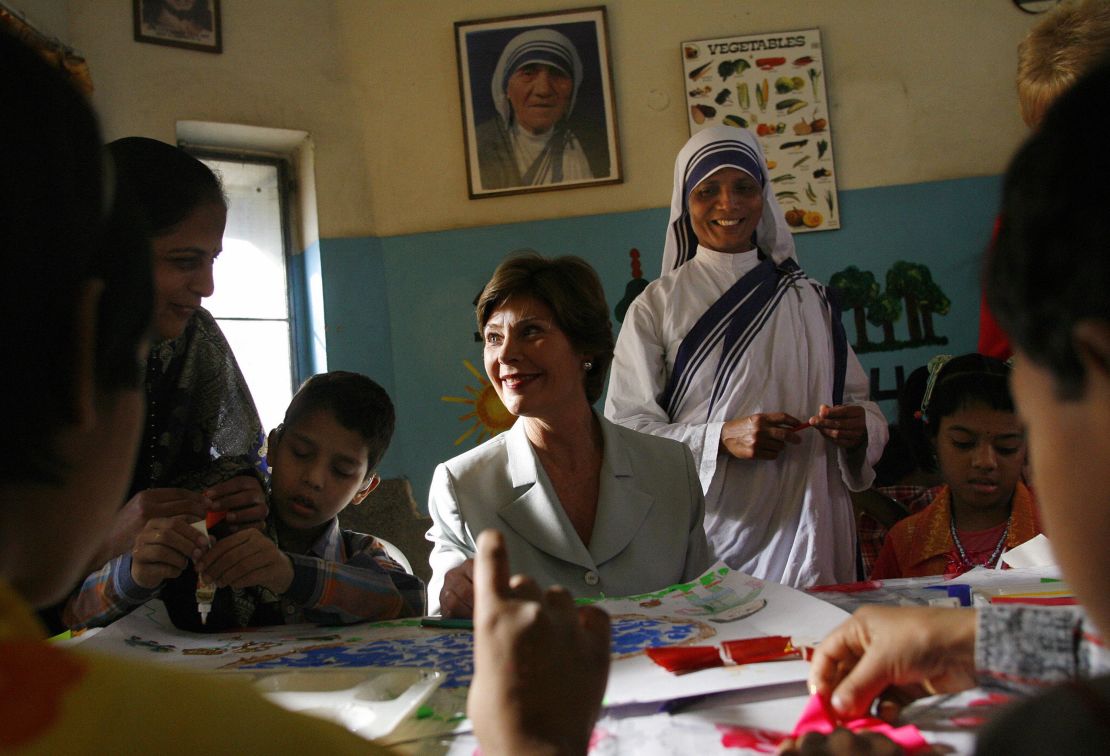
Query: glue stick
206, 592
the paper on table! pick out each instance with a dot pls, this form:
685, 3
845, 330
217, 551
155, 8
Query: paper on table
1036, 552
696, 612
981, 577
691, 614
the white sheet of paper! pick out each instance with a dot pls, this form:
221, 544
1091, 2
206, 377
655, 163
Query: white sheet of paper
688, 613
1036, 552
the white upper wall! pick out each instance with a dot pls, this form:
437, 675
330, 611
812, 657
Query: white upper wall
918, 92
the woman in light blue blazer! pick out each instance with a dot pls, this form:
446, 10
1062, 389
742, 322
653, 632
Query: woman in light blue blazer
582, 503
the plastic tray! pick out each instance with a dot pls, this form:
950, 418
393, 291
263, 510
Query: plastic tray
369, 701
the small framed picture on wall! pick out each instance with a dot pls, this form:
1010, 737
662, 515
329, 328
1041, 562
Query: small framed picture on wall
537, 102
192, 24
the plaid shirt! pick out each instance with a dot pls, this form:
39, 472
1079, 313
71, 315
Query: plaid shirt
345, 577
871, 533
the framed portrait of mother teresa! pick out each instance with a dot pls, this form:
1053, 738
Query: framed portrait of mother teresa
537, 102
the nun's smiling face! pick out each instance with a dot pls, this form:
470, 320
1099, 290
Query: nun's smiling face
539, 95
725, 208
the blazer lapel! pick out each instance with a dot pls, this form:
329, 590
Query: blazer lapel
621, 506
535, 515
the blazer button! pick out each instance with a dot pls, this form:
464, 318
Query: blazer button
592, 578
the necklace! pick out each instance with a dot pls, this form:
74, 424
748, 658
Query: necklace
993, 559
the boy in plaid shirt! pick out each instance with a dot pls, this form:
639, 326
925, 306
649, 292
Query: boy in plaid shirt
303, 567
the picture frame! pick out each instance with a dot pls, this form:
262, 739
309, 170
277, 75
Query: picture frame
556, 68
189, 24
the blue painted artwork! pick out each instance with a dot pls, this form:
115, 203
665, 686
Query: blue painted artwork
632, 634
453, 653
450, 653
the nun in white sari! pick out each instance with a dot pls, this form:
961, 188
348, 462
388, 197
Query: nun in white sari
534, 89
733, 349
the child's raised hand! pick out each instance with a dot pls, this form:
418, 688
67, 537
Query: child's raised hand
243, 499
845, 425
162, 550
540, 663
246, 559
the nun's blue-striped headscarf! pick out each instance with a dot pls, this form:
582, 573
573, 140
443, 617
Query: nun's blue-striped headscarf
545, 46
704, 154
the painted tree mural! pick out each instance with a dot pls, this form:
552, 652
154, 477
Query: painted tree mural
933, 300
858, 290
910, 288
883, 312
904, 280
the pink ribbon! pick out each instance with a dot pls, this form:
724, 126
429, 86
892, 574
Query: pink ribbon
817, 718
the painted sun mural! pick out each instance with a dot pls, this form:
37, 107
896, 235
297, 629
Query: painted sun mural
488, 416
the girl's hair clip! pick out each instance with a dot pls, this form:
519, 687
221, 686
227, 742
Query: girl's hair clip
936, 364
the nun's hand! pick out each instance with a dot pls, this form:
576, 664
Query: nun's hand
845, 425
762, 436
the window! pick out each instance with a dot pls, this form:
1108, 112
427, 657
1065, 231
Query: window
251, 302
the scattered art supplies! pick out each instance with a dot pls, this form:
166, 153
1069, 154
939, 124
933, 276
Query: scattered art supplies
1039, 585
917, 591
1031, 585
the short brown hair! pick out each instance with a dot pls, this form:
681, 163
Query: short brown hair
571, 288
1061, 47
355, 401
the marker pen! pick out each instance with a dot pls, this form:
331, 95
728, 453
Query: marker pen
206, 592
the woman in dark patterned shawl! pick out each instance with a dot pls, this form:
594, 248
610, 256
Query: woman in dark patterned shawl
202, 445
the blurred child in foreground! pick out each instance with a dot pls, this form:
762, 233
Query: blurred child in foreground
1047, 280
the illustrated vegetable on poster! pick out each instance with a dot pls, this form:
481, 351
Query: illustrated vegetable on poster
773, 85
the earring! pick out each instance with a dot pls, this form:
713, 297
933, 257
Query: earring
587, 366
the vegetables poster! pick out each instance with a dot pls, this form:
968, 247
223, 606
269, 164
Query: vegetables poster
774, 86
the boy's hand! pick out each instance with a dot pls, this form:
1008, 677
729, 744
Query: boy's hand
540, 664
245, 559
921, 650
244, 501
456, 599
845, 425
163, 549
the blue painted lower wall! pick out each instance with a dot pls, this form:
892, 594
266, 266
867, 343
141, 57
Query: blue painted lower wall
400, 309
